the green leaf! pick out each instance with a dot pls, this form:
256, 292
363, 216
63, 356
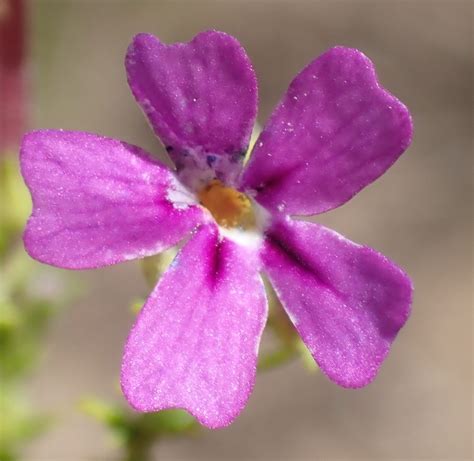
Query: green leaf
167, 421
137, 305
9, 316
306, 357
154, 266
15, 204
111, 415
18, 423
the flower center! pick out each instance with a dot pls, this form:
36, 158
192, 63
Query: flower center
229, 207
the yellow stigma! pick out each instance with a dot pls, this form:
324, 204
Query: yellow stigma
229, 207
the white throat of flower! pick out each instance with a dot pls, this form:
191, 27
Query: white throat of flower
251, 238
238, 216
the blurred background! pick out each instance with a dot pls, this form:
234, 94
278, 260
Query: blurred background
419, 214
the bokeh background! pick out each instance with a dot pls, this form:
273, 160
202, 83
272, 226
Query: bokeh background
419, 214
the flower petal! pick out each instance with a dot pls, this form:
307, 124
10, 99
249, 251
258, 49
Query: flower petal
200, 97
98, 201
335, 131
347, 301
195, 342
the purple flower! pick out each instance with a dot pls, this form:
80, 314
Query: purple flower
99, 201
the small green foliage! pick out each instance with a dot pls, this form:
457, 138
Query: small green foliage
276, 358
24, 320
25, 315
290, 344
154, 266
137, 305
113, 416
18, 425
137, 432
172, 421
306, 357
15, 203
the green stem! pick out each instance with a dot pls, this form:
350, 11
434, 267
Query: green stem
139, 447
276, 358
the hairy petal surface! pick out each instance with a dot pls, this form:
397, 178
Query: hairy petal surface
347, 301
200, 97
98, 201
195, 342
335, 131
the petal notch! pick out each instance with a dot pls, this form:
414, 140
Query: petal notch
195, 342
200, 97
347, 302
335, 131
98, 201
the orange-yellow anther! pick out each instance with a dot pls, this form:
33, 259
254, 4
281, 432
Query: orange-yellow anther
229, 207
